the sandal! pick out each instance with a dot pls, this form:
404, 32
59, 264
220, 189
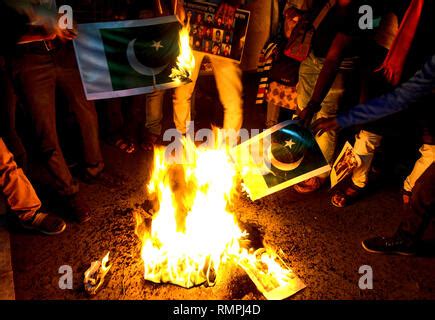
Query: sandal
406, 197
309, 186
346, 195
150, 142
125, 146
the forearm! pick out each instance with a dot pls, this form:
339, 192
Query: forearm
401, 98
330, 68
325, 80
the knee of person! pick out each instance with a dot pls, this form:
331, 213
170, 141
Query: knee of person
369, 137
47, 153
423, 193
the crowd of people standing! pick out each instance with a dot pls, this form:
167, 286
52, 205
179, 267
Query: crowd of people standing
393, 57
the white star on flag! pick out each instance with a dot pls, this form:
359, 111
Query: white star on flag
290, 143
157, 45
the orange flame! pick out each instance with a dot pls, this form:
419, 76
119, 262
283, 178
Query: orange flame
185, 60
194, 231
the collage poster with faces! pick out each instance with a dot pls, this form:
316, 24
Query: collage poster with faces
215, 35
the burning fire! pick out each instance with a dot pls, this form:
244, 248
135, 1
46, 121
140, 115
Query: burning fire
193, 231
185, 60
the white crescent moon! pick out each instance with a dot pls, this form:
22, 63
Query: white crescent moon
139, 67
281, 165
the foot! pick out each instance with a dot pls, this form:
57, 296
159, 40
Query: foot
309, 186
126, 146
406, 197
346, 195
78, 208
93, 173
150, 142
393, 245
45, 223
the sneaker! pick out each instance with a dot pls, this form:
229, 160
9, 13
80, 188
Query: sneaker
393, 245
45, 223
78, 208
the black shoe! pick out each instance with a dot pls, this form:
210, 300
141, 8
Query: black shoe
45, 223
78, 208
394, 245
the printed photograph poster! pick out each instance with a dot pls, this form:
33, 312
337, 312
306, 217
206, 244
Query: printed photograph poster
346, 162
278, 158
211, 34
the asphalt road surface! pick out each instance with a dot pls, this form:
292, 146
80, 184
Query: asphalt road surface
320, 243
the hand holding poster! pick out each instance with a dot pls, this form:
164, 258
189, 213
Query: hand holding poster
278, 158
215, 35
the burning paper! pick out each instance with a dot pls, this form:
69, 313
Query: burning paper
346, 162
95, 275
193, 232
271, 275
185, 61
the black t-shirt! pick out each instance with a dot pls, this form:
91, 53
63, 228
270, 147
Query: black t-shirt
12, 26
423, 45
341, 20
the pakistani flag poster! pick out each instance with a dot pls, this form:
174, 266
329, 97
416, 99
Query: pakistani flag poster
278, 158
126, 58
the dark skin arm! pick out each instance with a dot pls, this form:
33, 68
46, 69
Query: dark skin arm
326, 77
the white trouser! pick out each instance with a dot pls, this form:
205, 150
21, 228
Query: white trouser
425, 161
365, 146
229, 84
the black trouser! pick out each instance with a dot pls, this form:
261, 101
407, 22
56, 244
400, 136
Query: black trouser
417, 216
8, 104
37, 73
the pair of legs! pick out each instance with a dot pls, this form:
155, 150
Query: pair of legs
366, 145
21, 197
8, 104
228, 78
368, 141
415, 220
308, 74
125, 128
37, 74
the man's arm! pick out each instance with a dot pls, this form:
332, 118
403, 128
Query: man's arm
420, 85
327, 76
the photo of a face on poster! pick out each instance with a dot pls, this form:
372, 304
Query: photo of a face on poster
226, 50
207, 46
216, 35
228, 38
216, 48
